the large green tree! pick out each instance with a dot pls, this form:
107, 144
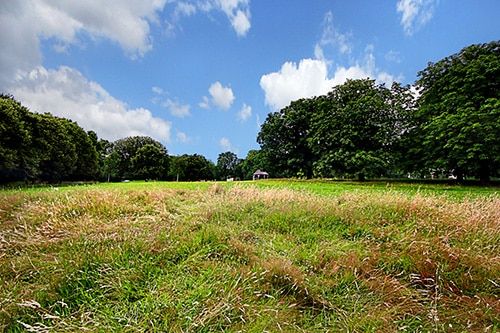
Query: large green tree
284, 139
227, 165
191, 168
43, 147
354, 129
87, 161
15, 139
54, 149
123, 152
458, 120
150, 162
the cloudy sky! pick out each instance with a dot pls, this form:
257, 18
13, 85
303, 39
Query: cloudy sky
201, 75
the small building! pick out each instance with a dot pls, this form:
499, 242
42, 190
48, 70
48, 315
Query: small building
260, 175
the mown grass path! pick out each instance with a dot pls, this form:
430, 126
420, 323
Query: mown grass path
251, 257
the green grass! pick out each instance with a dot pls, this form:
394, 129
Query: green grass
291, 256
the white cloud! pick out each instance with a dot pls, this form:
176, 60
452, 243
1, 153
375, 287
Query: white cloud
183, 137
65, 92
238, 13
293, 81
184, 9
226, 145
331, 37
415, 14
24, 23
222, 97
245, 112
205, 103
177, 109
157, 90
310, 78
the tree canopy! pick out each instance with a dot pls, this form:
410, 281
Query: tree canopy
447, 123
349, 132
42, 147
227, 165
458, 119
137, 157
191, 168
284, 139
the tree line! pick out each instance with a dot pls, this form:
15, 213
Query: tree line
447, 123
44, 148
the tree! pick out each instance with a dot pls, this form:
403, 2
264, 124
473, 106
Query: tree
284, 139
355, 128
126, 149
42, 146
103, 149
87, 162
150, 162
54, 149
227, 164
15, 139
191, 168
254, 161
458, 119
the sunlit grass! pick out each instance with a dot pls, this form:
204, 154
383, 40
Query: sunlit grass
251, 257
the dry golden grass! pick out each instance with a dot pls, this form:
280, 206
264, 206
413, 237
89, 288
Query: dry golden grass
248, 259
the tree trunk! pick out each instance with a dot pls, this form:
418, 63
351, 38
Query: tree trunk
484, 173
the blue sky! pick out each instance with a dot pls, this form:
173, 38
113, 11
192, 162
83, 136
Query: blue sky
200, 76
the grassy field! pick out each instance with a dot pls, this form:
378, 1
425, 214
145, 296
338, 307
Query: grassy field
276, 256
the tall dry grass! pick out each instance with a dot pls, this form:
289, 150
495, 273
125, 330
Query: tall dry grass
243, 258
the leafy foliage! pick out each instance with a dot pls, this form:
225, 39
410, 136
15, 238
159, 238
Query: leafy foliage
191, 168
15, 138
352, 131
284, 139
43, 147
458, 120
355, 128
150, 161
227, 165
254, 161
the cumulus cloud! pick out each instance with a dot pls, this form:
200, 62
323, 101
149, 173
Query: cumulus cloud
293, 81
310, 78
220, 96
205, 103
24, 23
245, 112
176, 108
157, 90
65, 92
415, 14
184, 9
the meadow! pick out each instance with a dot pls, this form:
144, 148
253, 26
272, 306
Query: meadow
275, 256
